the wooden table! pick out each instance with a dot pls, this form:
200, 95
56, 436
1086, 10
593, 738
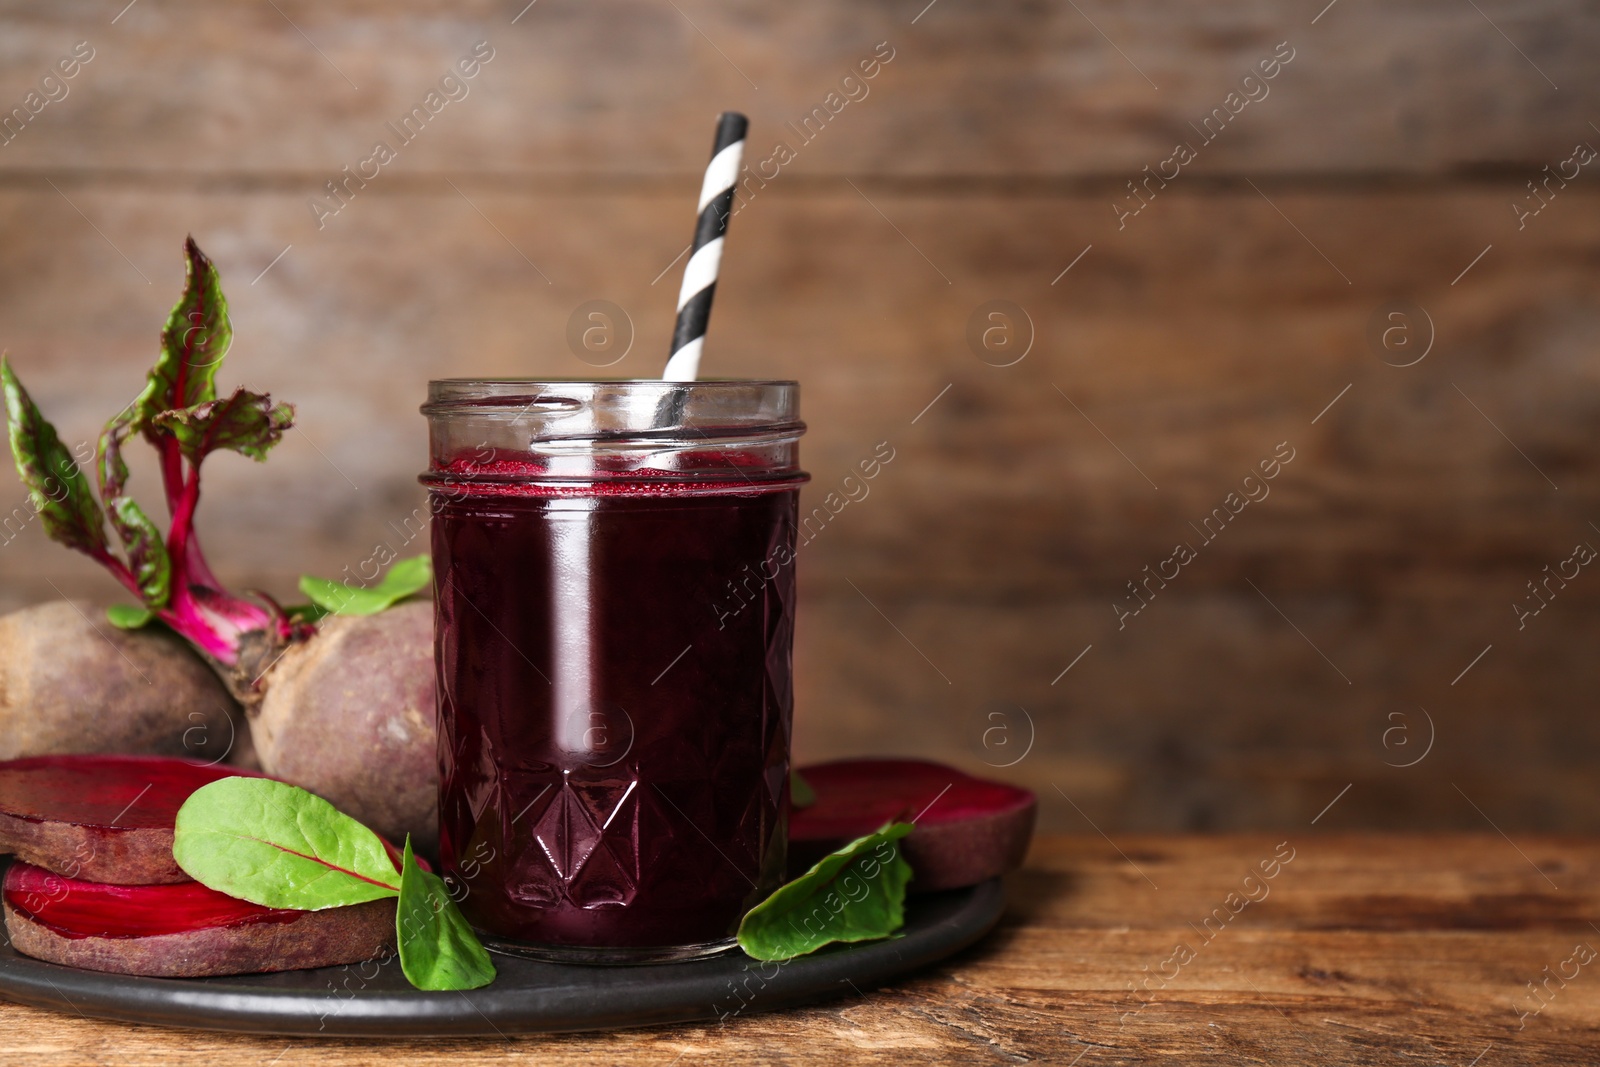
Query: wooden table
1341, 950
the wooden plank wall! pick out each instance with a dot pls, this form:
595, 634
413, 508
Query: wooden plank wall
1317, 642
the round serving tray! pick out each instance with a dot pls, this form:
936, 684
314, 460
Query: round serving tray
374, 1000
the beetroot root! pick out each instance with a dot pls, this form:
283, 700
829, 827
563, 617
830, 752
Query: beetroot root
343, 707
183, 930
351, 715
968, 830
99, 818
71, 682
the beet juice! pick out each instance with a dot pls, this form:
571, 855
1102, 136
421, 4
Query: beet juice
614, 573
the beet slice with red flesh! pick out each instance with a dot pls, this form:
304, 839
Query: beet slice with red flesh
182, 930
99, 818
968, 830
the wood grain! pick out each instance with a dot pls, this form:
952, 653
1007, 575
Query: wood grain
1231, 314
1358, 949
292, 92
1169, 354
993, 549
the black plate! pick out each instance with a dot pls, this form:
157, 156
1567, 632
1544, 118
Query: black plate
374, 1000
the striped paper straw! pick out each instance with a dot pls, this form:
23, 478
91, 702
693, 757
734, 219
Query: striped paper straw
705, 253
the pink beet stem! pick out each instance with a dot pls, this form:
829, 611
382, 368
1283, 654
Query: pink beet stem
199, 608
119, 571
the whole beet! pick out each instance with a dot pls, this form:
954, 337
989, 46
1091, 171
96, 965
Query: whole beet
69, 683
343, 706
351, 716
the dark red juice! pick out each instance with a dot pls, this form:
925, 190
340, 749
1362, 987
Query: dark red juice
615, 697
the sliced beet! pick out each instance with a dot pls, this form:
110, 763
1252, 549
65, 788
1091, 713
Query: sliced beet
99, 818
183, 930
968, 829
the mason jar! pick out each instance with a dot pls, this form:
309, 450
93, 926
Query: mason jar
615, 600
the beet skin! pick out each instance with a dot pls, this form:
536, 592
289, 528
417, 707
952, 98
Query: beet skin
72, 682
99, 818
352, 716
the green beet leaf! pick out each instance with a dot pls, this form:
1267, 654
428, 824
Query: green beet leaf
57, 488
855, 894
438, 949
193, 342
801, 795
247, 423
141, 539
147, 553
128, 617
279, 846
306, 612
406, 578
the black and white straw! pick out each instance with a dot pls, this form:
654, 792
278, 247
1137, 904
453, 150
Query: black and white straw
705, 253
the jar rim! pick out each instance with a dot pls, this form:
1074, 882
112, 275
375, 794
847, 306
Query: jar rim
545, 395
581, 430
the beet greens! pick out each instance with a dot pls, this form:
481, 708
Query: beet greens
180, 415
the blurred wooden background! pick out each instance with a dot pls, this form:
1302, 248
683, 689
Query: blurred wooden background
1323, 639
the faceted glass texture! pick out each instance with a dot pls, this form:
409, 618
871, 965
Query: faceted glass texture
616, 701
